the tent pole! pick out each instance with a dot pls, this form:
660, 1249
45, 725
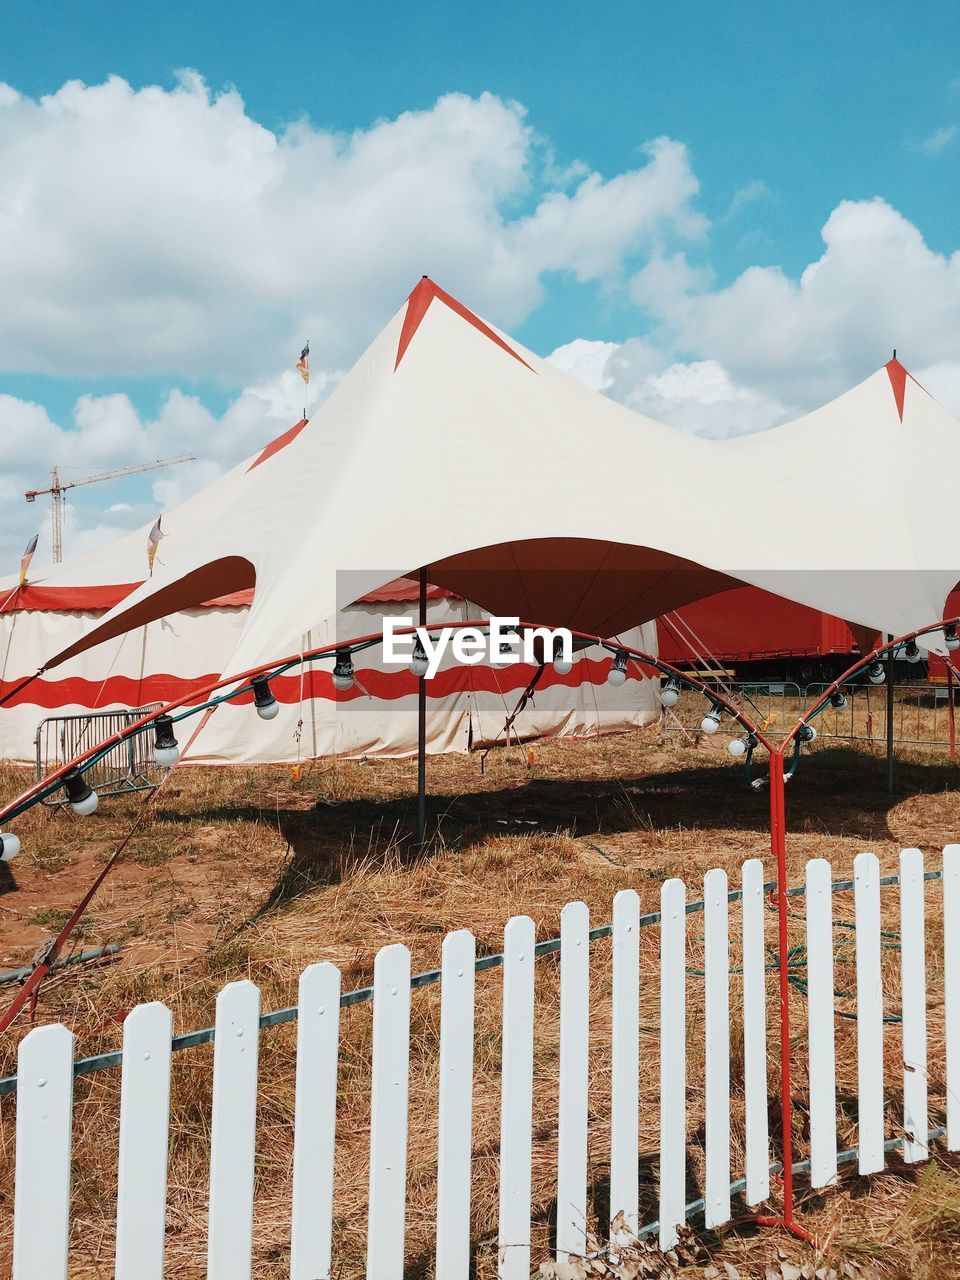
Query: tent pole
890, 711
778, 847
422, 729
952, 714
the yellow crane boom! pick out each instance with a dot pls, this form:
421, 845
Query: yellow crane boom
58, 487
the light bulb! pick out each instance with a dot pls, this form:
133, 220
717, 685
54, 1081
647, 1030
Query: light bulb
875, 673
711, 721
83, 799
912, 652
807, 733
837, 700
343, 673
165, 749
950, 637
617, 675
266, 704
670, 693
83, 808
737, 747
419, 662
562, 666
9, 846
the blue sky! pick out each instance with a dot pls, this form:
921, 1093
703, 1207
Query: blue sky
780, 116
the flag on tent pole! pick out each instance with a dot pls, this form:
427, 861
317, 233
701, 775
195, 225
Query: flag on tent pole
27, 557
303, 364
153, 541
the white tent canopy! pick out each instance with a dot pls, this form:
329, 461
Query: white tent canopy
450, 446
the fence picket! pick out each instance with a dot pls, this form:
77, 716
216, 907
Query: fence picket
625, 1067
914, 1002
866, 878
44, 1086
388, 1113
755, 1036
673, 1061
233, 1132
456, 1105
41, 1206
516, 1099
144, 1136
574, 1076
821, 1033
315, 1122
716, 964
951, 986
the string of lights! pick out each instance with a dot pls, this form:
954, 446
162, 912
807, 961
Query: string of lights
83, 799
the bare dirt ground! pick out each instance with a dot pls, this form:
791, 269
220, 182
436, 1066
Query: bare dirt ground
253, 873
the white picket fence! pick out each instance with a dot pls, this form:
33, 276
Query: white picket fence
45, 1085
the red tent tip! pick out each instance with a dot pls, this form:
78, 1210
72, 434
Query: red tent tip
898, 381
418, 303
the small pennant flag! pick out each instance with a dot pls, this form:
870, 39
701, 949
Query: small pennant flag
303, 364
27, 557
153, 541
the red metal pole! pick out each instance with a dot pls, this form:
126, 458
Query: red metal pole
422, 729
778, 847
952, 714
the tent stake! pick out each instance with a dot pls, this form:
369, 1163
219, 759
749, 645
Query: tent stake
422, 729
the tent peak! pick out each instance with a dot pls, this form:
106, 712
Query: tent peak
418, 303
898, 380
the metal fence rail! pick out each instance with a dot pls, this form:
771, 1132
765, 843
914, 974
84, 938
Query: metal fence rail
922, 712
129, 766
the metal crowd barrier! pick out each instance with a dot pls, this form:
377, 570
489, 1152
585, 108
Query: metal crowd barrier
129, 766
922, 712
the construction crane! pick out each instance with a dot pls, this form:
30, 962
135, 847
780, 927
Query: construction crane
58, 488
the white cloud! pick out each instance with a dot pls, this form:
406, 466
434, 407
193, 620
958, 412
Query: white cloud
155, 231
943, 381
699, 396
939, 139
770, 346
586, 361
592, 230
106, 432
801, 341
750, 193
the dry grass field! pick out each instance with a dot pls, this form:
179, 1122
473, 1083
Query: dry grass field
253, 873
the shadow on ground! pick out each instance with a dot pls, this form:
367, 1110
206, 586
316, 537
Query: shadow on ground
836, 791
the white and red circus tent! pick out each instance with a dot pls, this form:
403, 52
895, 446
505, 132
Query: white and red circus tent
162, 660
449, 446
